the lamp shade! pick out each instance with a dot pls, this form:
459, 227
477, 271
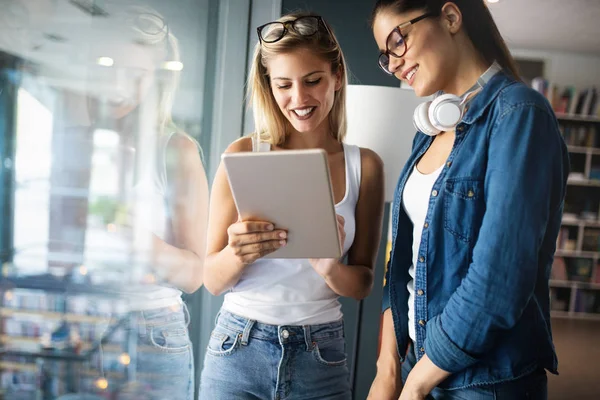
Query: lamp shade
380, 118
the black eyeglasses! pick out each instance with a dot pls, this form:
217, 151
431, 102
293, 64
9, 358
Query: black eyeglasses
395, 45
304, 26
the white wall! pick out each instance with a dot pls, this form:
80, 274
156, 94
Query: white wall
564, 68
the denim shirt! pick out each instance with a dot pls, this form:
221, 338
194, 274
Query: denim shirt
481, 280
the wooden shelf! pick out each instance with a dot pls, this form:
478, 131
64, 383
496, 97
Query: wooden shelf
577, 118
90, 373
574, 284
583, 182
112, 348
579, 254
575, 315
583, 150
11, 312
581, 222
17, 366
31, 367
19, 339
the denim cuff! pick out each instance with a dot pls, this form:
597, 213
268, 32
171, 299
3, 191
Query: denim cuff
442, 351
385, 300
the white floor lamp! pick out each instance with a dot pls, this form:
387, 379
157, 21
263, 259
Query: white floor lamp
379, 118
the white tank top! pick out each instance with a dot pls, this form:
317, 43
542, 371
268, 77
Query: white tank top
153, 187
415, 200
290, 291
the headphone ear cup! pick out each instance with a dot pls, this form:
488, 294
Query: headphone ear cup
445, 112
421, 120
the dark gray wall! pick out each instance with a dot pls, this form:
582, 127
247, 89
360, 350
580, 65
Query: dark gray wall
350, 22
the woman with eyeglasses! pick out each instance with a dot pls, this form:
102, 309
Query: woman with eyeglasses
477, 211
279, 333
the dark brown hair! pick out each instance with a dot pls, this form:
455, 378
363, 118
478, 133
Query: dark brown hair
477, 20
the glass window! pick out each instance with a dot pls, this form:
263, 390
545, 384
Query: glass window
93, 94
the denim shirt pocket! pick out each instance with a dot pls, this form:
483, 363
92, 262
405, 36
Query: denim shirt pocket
463, 207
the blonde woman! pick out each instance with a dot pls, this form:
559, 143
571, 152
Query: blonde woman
280, 332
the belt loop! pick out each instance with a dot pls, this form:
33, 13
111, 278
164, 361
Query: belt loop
186, 314
140, 319
307, 337
246, 333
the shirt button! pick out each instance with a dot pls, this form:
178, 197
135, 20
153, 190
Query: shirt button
426, 225
421, 322
422, 259
434, 193
448, 164
470, 193
420, 292
460, 128
285, 334
422, 350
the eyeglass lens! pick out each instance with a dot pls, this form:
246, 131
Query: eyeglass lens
304, 26
395, 46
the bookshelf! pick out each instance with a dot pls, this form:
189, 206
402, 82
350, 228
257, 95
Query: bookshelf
578, 118
575, 277
58, 337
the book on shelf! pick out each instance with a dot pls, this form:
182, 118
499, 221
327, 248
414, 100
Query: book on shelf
580, 269
563, 240
591, 240
559, 299
559, 269
568, 99
573, 269
579, 135
587, 301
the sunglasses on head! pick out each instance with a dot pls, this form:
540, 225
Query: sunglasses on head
304, 26
395, 44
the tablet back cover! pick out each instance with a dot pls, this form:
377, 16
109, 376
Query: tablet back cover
293, 190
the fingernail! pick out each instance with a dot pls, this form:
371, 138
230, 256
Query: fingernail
270, 227
282, 242
282, 235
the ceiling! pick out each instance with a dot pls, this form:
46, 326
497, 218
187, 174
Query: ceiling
559, 25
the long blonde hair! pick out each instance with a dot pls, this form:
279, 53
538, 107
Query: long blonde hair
158, 39
270, 124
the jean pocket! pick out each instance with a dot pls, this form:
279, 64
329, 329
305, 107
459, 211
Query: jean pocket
222, 343
331, 353
171, 339
463, 207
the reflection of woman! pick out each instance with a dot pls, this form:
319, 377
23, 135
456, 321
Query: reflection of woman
477, 213
174, 189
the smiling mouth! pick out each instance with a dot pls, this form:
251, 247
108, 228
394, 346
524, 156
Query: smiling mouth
412, 73
304, 113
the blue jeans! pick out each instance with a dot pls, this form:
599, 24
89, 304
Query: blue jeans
248, 360
162, 365
164, 368
530, 387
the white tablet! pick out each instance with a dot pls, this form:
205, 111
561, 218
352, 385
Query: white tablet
292, 189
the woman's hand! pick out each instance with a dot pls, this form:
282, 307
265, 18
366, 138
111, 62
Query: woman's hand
251, 240
412, 395
324, 266
385, 387
422, 379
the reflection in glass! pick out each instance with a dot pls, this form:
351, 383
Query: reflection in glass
103, 198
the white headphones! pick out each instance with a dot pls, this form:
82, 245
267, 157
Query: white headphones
446, 110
